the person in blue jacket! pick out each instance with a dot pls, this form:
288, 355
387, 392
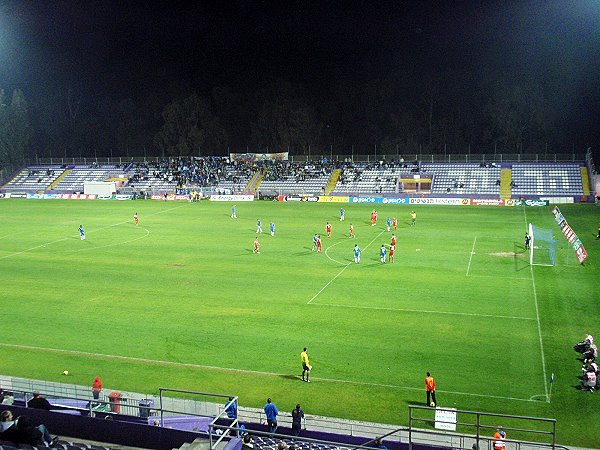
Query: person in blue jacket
271, 413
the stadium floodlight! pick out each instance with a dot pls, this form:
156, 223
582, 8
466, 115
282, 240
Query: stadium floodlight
542, 246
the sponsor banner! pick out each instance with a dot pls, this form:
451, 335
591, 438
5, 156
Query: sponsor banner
487, 202
78, 196
182, 191
18, 195
334, 199
104, 197
366, 200
123, 197
45, 196
4, 195
281, 156
157, 197
532, 202
395, 201
445, 419
232, 198
570, 235
437, 201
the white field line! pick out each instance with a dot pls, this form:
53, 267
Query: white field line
10, 255
539, 325
340, 272
243, 371
422, 311
472, 253
503, 278
332, 259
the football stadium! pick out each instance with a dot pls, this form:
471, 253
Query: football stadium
190, 286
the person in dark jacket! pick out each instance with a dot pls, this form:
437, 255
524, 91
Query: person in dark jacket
39, 402
297, 416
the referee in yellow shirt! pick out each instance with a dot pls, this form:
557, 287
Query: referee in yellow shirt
305, 366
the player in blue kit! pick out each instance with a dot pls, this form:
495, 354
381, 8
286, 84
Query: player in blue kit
382, 253
342, 212
388, 222
315, 240
234, 212
356, 254
272, 229
258, 226
81, 233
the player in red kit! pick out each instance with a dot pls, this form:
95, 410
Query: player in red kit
394, 223
136, 218
328, 229
393, 239
392, 251
352, 231
319, 247
373, 218
256, 246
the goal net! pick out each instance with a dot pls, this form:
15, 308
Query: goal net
542, 247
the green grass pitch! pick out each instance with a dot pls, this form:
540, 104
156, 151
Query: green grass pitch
183, 299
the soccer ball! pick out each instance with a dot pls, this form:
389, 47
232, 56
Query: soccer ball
432, 404
65, 372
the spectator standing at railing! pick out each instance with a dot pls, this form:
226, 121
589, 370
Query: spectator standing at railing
271, 412
231, 410
297, 416
96, 387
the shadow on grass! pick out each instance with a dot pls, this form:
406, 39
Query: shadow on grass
291, 377
521, 262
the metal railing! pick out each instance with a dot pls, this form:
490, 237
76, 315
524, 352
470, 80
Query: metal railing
352, 157
475, 433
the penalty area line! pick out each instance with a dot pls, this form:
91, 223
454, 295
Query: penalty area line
472, 253
423, 311
243, 371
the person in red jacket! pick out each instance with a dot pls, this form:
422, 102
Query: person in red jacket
430, 388
96, 387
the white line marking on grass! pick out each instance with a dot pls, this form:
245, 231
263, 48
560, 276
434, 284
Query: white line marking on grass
332, 259
422, 311
115, 243
330, 281
539, 325
472, 253
497, 277
340, 272
96, 229
243, 371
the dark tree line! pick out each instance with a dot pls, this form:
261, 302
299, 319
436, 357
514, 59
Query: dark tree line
449, 113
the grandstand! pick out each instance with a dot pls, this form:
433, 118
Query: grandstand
219, 175
547, 179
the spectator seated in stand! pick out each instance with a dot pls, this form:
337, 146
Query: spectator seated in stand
24, 432
39, 402
6, 421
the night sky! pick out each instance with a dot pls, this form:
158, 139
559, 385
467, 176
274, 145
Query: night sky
121, 48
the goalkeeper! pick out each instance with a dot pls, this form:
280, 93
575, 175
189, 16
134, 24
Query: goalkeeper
306, 367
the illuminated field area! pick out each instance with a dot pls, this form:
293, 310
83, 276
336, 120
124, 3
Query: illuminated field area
181, 301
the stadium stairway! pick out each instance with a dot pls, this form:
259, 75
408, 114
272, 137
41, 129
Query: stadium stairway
59, 179
255, 181
505, 179
585, 180
332, 183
